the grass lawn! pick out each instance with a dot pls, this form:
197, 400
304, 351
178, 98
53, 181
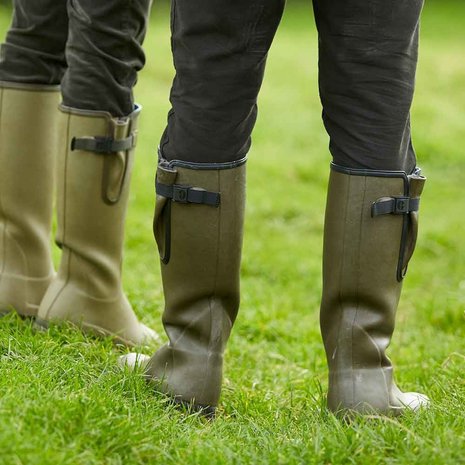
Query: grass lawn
62, 399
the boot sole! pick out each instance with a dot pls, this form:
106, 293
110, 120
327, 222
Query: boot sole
207, 412
140, 364
23, 316
43, 325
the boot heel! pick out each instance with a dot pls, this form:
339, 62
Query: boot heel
22, 294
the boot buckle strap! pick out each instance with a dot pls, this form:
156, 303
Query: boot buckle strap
103, 144
188, 194
395, 206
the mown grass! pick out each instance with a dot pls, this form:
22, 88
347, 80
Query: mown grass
62, 399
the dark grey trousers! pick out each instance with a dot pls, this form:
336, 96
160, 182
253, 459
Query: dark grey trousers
368, 57
367, 63
93, 48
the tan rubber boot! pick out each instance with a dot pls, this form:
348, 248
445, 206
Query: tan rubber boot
94, 170
198, 227
28, 134
370, 234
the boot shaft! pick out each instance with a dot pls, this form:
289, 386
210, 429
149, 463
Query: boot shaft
28, 134
94, 171
28, 131
93, 189
360, 257
200, 257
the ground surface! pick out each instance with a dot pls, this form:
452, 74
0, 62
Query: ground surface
62, 399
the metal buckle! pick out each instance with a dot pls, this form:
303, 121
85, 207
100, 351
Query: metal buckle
180, 193
401, 205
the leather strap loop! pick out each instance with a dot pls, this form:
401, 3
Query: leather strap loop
187, 194
103, 144
395, 206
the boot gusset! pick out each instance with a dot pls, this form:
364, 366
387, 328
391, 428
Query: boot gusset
406, 204
370, 232
198, 227
115, 146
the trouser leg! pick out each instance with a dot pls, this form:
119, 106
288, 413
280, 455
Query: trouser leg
220, 49
34, 48
104, 53
368, 58
103, 50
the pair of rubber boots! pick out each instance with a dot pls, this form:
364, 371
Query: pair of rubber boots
88, 156
370, 233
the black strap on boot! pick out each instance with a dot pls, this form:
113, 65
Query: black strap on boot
395, 206
179, 194
188, 194
103, 144
407, 206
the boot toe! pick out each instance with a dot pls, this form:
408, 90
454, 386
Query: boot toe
133, 360
414, 401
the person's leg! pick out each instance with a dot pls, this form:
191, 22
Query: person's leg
368, 56
32, 62
367, 63
220, 49
34, 48
103, 54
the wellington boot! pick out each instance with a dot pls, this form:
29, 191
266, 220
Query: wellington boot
28, 134
198, 227
94, 170
370, 233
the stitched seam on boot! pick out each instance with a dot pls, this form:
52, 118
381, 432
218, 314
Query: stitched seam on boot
357, 287
2, 211
27, 278
215, 282
341, 308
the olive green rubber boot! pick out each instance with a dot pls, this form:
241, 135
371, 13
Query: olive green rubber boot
198, 226
94, 170
28, 134
370, 233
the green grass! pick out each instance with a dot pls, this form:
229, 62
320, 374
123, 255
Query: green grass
62, 399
